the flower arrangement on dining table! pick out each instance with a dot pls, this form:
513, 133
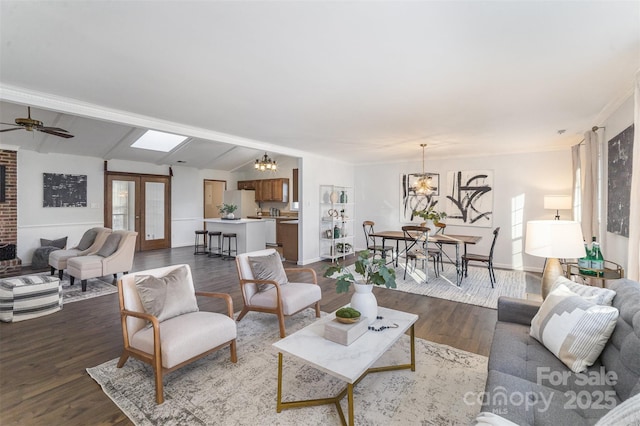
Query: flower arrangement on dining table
370, 271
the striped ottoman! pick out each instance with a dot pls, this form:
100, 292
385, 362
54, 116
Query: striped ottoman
30, 296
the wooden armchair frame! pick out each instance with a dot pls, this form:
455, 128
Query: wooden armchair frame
155, 359
278, 310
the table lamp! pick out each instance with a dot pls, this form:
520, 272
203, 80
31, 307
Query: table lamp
553, 239
557, 203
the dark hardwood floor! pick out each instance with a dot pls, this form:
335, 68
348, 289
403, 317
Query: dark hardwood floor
43, 380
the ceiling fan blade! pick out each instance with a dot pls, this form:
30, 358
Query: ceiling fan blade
10, 124
54, 129
15, 128
51, 132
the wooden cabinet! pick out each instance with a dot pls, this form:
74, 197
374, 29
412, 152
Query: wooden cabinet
280, 229
290, 241
294, 190
272, 190
247, 184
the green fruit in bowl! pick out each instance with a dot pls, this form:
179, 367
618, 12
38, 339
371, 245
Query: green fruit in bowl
347, 313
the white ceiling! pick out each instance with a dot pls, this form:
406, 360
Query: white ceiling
366, 80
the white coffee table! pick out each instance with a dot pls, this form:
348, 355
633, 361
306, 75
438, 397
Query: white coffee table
349, 363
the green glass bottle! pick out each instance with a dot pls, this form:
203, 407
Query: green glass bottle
590, 257
597, 260
584, 262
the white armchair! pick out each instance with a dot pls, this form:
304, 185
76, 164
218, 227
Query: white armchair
90, 242
175, 341
265, 289
115, 255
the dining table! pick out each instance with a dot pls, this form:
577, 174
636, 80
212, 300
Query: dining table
440, 240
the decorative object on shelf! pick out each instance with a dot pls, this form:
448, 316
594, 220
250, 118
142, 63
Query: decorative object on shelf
343, 230
553, 239
343, 247
336, 232
226, 210
343, 197
334, 197
370, 272
265, 164
424, 183
333, 213
557, 203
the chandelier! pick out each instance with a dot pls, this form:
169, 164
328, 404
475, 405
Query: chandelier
423, 184
265, 164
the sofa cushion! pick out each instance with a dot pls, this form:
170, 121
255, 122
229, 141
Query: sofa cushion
268, 268
87, 239
626, 413
597, 295
572, 328
60, 243
168, 296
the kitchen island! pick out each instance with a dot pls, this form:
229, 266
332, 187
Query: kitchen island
250, 232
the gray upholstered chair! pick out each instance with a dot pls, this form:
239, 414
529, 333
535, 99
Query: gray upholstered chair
179, 333
90, 242
115, 255
265, 289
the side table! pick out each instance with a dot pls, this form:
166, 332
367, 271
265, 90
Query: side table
611, 271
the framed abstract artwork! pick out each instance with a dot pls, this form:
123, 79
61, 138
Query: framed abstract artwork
62, 190
619, 171
411, 200
469, 198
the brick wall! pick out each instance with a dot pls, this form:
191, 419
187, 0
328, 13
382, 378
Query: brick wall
9, 210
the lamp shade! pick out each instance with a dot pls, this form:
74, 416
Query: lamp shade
554, 239
557, 202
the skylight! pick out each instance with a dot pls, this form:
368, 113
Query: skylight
158, 141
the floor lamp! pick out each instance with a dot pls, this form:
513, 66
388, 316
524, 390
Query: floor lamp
554, 240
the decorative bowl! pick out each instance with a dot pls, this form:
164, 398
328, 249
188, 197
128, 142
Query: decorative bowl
347, 320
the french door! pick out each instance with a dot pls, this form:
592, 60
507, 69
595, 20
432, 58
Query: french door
141, 203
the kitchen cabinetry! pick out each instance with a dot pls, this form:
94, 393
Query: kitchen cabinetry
289, 237
272, 190
247, 184
280, 229
336, 221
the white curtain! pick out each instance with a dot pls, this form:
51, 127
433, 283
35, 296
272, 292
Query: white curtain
589, 199
577, 183
633, 262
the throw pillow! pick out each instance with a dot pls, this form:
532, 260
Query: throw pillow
60, 243
110, 245
491, 419
575, 330
268, 268
87, 239
597, 295
168, 296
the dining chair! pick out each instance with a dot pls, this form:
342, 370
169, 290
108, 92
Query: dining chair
416, 248
435, 252
471, 257
367, 226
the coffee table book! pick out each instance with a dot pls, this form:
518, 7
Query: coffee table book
345, 334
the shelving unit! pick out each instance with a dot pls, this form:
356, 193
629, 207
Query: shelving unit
337, 211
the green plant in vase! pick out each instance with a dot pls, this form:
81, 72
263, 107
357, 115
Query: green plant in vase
368, 271
227, 210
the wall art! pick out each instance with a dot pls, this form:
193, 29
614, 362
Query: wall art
410, 200
62, 190
620, 159
469, 198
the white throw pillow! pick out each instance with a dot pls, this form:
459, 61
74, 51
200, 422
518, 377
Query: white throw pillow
597, 295
627, 413
168, 296
574, 329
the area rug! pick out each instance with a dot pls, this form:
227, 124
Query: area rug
474, 289
214, 391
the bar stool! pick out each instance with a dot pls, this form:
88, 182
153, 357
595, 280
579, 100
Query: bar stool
226, 254
217, 250
200, 247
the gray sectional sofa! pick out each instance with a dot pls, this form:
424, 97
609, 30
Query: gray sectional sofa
528, 385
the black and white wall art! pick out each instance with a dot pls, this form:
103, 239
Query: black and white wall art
62, 190
620, 160
469, 198
410, 200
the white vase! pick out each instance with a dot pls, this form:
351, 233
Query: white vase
364, 301
333, 197
431, 226
230, 216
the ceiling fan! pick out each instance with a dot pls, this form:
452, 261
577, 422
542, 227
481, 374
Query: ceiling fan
29, 124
